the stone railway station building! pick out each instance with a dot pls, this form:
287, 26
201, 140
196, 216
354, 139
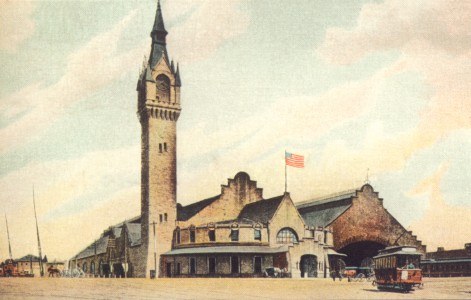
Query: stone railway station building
237, 233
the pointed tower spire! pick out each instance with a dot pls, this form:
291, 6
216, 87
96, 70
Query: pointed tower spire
158, 36
178, 81
159, 33
172, 66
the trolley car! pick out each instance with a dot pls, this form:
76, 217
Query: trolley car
397, 268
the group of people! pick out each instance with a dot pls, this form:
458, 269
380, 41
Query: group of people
336, 274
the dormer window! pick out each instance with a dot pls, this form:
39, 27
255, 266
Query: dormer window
212, 232
257, 232
235, 232
192, 234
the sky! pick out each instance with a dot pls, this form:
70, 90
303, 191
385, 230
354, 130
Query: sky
352, 86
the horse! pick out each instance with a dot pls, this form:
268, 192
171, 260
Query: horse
53, 272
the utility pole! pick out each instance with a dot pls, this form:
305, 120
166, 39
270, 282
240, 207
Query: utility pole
155, 251
8, 234
41, 269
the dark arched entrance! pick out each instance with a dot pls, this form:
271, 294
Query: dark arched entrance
118, 270
308, 266
357, 252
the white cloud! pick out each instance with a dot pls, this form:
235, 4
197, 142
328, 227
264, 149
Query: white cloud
75, 198
89, 69
395, 24
209, 25
435, 42
16, 23
442, 224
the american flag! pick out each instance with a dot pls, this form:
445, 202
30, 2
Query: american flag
294, 160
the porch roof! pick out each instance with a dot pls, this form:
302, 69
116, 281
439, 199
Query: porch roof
229, 249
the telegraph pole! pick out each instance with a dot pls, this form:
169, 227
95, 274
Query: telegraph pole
8, 234
155, 251
41, 268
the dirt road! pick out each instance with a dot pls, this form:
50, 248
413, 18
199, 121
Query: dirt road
32, 288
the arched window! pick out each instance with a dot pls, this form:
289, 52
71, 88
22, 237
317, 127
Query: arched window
100, 267
163, 88
92, 267
286, 236
84, 267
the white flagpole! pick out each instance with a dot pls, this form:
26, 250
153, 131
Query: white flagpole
286, 175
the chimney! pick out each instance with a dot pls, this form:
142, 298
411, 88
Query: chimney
440, 249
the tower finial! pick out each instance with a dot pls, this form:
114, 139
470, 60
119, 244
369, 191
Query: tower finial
367, 181
178, 81
158, 33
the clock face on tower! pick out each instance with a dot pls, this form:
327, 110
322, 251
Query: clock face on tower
163, 83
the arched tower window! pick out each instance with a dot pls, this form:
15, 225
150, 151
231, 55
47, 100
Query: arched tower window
286, 236
163, 88
84, 267
92, 267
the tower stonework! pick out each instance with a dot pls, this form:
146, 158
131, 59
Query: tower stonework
158, 110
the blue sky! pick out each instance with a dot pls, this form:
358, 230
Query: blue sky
351, 85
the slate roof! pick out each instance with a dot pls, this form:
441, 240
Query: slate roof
134, 231
184, 213
101, 245
117, 231
29, 258
321, 212
261, 211
327, 199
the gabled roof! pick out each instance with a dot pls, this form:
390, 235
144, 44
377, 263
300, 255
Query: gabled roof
184, 213
100, 245
321, 212
327, 199
117, 231
134, 231
323, 217
29, 258
261, 211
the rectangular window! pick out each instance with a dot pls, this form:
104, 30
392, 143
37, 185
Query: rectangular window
212, 235
160, 218
165, 217
165, 147
234, 264
212, 265
234, 235
192, 235
257, 264
325, 237
178, 269
192, 265
160, 148
257, 234
178, 236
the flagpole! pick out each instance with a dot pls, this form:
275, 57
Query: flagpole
286, 175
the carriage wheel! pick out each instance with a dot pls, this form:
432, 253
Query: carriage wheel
360, 277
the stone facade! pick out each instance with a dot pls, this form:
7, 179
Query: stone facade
368, 220
360, 223
236, 233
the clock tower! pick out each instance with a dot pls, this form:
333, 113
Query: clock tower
158, 108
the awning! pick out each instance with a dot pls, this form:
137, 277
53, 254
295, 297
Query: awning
229, 249
333, 252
